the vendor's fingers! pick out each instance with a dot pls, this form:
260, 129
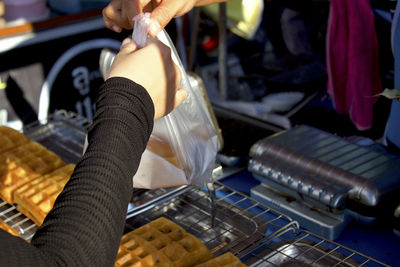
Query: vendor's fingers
160, 17
110, 24
113, 16
142, 6
130, 8
165, 11
149, 5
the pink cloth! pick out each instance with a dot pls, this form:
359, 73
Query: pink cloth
352, 60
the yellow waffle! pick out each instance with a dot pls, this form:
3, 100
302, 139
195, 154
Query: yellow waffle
161, 243
8, 228
227, 259
36, 198
23, 164
10, 138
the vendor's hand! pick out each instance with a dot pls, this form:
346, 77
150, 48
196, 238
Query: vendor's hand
119, 14
153, 68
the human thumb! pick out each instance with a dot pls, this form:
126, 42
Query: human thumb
160, 17
128, 46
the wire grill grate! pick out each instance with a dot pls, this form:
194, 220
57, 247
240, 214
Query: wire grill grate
239, 221
64, 133
305, 249
18, 221
257, 234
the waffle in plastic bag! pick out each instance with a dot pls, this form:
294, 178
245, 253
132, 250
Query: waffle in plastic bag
183, 145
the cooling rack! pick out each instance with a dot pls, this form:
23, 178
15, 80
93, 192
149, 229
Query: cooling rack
63, 132
18, 221
221, 226
257, 234
222, 218
304, 249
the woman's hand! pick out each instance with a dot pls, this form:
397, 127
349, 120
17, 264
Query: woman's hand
153, 68
119, 14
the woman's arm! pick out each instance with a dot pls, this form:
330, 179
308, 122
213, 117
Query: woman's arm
87, 221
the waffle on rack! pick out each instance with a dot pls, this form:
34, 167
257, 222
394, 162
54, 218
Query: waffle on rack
10, 138
36, 198
23, 164
8, 228
163, 243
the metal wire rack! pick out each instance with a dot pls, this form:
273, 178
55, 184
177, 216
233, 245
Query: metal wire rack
25, 227
63, 132
222, 218
257, 234
221, 226
304, 249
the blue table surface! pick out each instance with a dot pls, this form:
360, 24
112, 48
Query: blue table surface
377, 242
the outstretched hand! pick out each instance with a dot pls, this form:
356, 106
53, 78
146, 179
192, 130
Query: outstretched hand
153, 68
119, 14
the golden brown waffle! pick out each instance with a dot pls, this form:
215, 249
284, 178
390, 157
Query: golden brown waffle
10, 138
227, 259
8, 228
23, 164
161, 243
36, 198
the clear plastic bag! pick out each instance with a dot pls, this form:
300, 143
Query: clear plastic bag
183, 145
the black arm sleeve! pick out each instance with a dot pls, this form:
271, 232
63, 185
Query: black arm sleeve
86, 223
